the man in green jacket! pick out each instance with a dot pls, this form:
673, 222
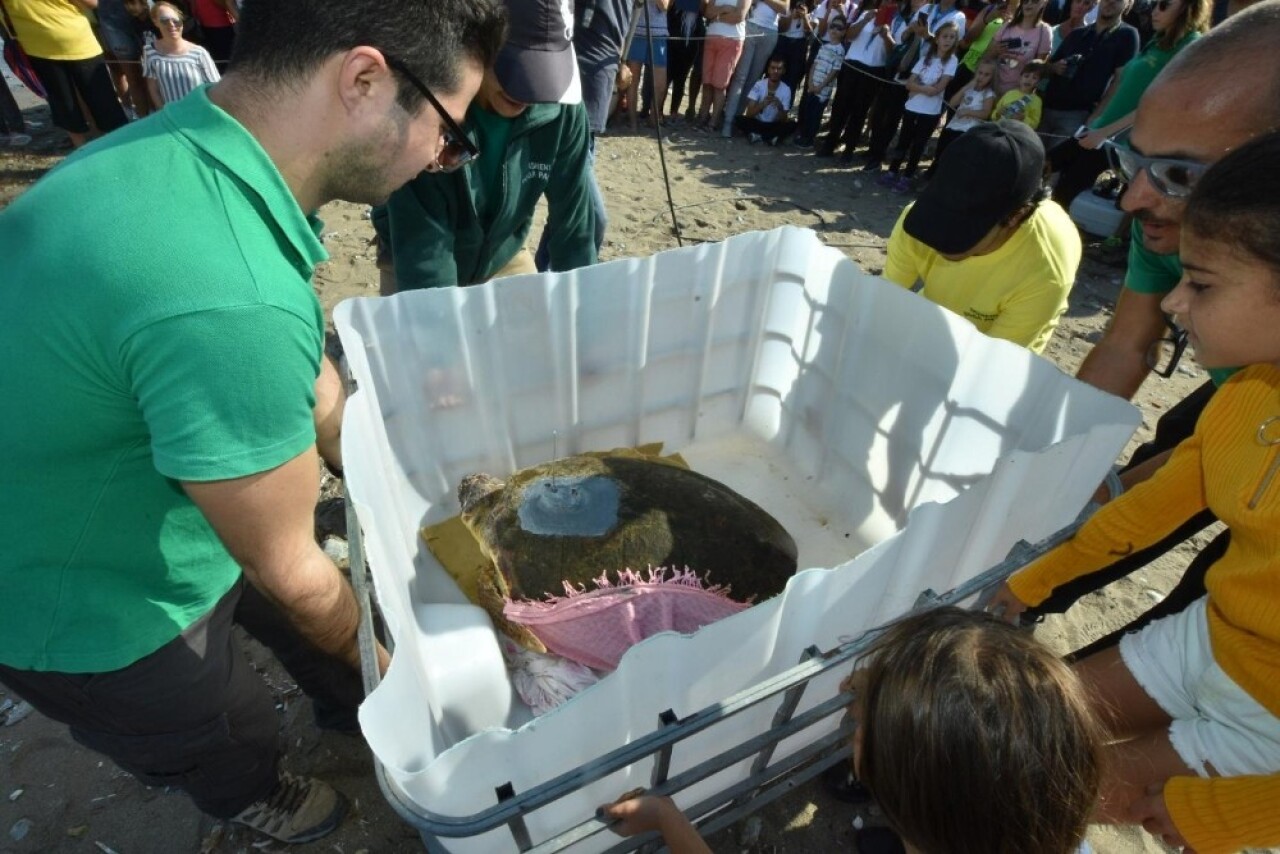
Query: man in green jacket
529, 124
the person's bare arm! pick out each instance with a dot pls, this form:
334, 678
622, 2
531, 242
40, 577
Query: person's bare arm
1118, 363
86, 5
649, 813
779, 6
153, 89
266, 522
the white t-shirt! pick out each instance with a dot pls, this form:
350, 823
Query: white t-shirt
867, 47
938, 17
763, 15
839, 7
795, 29
729, 31
929, 72
973, 100
758, 93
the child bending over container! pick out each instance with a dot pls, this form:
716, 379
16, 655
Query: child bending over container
971, 735
1193, 700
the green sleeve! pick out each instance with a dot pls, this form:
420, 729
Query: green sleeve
571, 218
420, 223
225, 393
1148, 272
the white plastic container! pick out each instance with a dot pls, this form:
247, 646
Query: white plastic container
902, 449
1096, 215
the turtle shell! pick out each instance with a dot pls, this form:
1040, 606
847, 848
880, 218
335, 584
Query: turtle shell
576, 518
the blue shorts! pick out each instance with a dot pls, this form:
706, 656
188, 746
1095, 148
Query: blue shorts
639, 51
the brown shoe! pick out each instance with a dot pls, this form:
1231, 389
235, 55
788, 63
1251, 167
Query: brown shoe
300, 809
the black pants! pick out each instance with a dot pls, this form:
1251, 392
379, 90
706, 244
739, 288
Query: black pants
11, 120
193, 714
856, 90
1174, 426
916, 130
63, 79
1078, 168
945, 139
768, 130
219, 41
886, 112
684, 59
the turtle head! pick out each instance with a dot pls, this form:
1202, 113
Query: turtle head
474, 488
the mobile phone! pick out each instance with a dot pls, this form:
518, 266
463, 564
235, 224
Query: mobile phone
1011, 44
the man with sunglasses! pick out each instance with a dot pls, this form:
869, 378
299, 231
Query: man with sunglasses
1192, 115
465, 226
162, 475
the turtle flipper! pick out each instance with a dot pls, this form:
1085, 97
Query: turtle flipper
492, 600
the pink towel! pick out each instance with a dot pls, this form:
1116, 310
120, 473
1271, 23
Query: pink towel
595, 627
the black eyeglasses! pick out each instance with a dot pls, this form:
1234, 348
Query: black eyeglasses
1164, 355
1164, 5
458, 151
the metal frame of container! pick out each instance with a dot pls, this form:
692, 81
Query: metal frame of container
766, 782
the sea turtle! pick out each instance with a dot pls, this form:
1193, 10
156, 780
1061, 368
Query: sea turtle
574, 519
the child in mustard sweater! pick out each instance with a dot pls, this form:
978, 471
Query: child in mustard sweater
1193, 700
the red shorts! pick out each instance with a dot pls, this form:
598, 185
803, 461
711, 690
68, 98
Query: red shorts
719, 58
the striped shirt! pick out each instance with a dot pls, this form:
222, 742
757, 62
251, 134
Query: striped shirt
179, 73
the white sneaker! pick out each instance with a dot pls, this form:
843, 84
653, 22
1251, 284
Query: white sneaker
754, 138
17, 140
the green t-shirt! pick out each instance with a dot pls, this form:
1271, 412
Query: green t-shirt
1135, 77
1152, 273
158, 325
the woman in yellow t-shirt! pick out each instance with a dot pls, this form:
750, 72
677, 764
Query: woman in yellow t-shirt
66, 56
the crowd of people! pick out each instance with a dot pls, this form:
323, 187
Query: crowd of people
162, 478
100, 63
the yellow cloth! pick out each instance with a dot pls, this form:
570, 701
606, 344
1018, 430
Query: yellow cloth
52, 29
1224, 467
1017, 292
1030, 114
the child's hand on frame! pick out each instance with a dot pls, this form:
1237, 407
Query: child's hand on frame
1153, 814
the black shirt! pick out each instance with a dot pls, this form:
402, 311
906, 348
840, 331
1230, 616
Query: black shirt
1101, 55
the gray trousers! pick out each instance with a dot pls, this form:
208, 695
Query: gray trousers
193, 714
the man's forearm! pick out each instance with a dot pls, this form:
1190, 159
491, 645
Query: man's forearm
1118, 370
317, 601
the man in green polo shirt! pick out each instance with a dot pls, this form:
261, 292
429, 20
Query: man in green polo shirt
159, 448
1190, 117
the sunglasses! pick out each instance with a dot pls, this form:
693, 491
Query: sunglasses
1164, 5
169, 22
1164, 355
1170, 176
458, 151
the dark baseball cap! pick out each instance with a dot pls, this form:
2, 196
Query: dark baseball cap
985, 175
537, 64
